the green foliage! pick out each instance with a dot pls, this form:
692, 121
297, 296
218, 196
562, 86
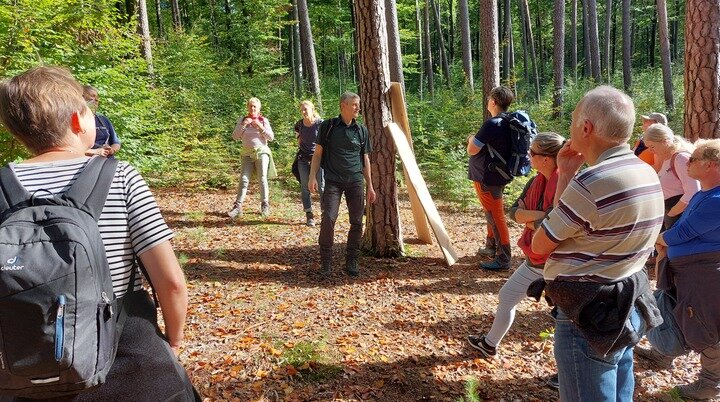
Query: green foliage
308, 360
471, 391
546, 334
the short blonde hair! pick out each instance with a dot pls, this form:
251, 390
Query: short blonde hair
709, 149
255, 101
312, 105
658, 132
37, 106
549, 143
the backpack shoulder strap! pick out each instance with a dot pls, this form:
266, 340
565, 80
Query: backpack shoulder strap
672, 163
12, 193
92, 186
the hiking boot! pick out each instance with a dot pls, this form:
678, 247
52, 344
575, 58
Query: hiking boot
326, 268
265, 209
657, 359
495, 265
310, 221
553, 381
479, 343
351, 267
488, 250
700, 389
236, 211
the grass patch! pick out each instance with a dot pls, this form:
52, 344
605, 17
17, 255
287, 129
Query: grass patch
674, 395
471, 391
195, 216
183, 259
305, 360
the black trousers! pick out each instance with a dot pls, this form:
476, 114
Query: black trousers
355, 200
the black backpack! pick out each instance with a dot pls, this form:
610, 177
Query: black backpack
59, 320
522, 132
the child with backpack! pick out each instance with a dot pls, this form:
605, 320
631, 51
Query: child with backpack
498, 152
75, 321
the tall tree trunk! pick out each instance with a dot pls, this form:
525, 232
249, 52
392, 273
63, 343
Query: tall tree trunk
626, 46
587, 71
665, 54
606, 40
383, 235
594, 40
396, 65
573, 40
540, 44
558, 56
533, 59
418, 28
428, 52
651, 48
504, 41
213, 24
613, 41
451, 33
525, 44
144, 31
466, 45
356, 63
441, 45
177, 24
490, 47
308, 50
297, 58
158, 17
510, 48
702, 63
676, 29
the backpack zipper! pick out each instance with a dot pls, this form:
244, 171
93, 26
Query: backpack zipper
60, 328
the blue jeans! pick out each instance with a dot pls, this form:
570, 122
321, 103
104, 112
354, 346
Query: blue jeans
355, 200
304, 169
586, 376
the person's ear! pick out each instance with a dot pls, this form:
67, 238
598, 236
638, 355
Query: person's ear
75, 123
587, 127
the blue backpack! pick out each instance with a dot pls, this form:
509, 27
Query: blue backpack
522, 132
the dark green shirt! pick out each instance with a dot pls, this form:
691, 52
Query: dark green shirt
343, 150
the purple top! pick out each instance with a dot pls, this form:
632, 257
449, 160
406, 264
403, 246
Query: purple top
307, 136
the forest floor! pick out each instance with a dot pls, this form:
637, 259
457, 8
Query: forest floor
263, 325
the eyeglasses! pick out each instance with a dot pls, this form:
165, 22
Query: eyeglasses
533, 153
692, 159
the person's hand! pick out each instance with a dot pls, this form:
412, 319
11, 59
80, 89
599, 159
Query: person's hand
176, 350
246, 121
371, 196
101, 152
530, 225
470, 137
108, 150
256, 124
569, 160
661, 250
313, 185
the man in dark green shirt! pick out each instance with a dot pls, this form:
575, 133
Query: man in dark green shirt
342, 151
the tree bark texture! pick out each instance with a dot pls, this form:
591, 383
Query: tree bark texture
466, 45
144, 31
490, 47
441, 44
533, 59
505, 41
665, 54
573, 40
626, 46
175, 7
158, 17
428, 51
297, 58
418, 28
587, 70
558, 56
382, 237
395, 55
308, 50
702, 80
594, 39
606, 40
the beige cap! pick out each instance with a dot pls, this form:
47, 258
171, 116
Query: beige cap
657, 117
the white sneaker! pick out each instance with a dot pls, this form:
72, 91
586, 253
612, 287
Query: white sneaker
235, 212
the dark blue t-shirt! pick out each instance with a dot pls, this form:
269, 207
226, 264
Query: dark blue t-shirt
343, 150
308, 138
495, 132
104, 132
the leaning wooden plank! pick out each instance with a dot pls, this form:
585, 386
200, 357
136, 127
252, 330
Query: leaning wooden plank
399, 113
418, 183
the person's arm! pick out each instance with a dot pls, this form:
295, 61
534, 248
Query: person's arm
113, 139
267, 131
474, 146
701, 220
690, 186
541, 242
314, 167
169, 283
368, 179
97, 151
240, 128
519, 212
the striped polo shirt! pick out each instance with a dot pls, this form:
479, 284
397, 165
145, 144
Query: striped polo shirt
130, 222
607, 220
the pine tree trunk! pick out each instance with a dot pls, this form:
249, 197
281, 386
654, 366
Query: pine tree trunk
443, 54
665, 54
626, 46
606, 40
418, 28
383, 236
297, 58
533, 58
540, 43
505, 66
466, 45
573, 41
510, 49
587, 71
558, 56
395, 55
490, 47
651, 48
144, 31
428, 51
451, 34
702, 58
308, 50
175, 14
158, 17
594, 40
524, 40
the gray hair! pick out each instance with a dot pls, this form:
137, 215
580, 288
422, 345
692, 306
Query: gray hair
659, 132
255, 101
709, 149
611, 112
346, 96
549, 143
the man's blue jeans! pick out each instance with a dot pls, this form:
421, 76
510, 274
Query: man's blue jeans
584, 375
355, 199
304, 169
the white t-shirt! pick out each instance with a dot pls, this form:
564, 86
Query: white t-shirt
130, 222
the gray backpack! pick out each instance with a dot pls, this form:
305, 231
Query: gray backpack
59, 319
